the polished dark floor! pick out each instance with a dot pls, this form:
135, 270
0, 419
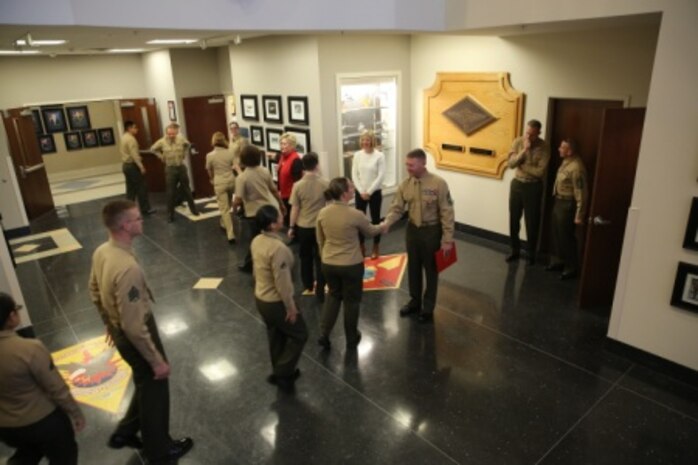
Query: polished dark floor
509, 373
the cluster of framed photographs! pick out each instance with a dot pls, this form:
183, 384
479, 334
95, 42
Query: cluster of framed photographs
272, 109
685, 293
76, 128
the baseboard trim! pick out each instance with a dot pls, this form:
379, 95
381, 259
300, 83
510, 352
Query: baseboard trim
62, 176
656, 363
485, 234
17, 232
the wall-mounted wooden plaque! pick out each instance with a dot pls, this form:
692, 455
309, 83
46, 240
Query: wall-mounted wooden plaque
470, 120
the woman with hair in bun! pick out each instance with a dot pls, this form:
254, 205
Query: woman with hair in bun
273, 290
338, 229
219, 164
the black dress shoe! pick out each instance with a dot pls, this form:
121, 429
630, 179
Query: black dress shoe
179, 447
245, 267
568, 275
408, 310
554, 267
324, 341
425, 317
511, 257
119, 441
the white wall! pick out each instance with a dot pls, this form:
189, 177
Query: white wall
664, 186
612, 63
159, 82
283, 66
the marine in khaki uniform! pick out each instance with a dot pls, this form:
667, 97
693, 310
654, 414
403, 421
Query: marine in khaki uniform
430, 228
338, 228
286, 329
254, 188
172, 150
38, 415
307, 199
119, 291
529, 156
220, 164
569, 209
133, 168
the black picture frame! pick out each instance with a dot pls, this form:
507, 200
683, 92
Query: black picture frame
249, 108
89, 139
273, 139
257, 135
79, 118
171, 111
302, 138
690, 240
73, 141
46, 143
273, 111
685, 293
36, 120
54, 119
297, 110
105, 136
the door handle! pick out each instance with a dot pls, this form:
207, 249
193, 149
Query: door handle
25, 170
600, 221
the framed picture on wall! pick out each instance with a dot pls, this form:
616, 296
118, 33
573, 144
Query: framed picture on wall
273, 113
72, 140
79, 118
302, 136
171, 111
274, 139
89, 138
690, 240
298, 110
685, 293
105, 136
47, 144
54, 119
36, 120
250, 111
257, 135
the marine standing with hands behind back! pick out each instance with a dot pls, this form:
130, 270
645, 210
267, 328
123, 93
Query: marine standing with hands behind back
38, 415
529, 155
570, 192
119, 291
430, 228
172, 150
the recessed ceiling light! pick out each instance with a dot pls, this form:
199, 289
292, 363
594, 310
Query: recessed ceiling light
125, 50
18, 52
39, 43
171, 41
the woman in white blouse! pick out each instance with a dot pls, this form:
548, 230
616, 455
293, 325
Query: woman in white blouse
367, 172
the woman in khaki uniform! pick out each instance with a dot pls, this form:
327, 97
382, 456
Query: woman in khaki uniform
273, 291
338, 229
220, 164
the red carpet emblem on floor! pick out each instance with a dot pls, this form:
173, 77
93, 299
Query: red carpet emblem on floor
95, 373
385, 272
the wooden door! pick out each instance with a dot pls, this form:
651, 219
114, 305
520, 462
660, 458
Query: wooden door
619, 148
28, 163
581, 120
204, 116
144, 113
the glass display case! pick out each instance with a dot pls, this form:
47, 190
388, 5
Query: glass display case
369, 103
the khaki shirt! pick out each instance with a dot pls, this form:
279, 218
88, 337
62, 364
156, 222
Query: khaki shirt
254, 187
571, 183
171, 153
220, 161
308, 195
30, 385
429, 202
530, 164
338, 228
129, 150
273, 262
235, 147
119, 290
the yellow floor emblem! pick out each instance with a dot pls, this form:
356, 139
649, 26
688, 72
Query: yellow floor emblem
384, 272
95, 373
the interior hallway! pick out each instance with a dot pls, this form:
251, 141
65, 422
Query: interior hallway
509, 373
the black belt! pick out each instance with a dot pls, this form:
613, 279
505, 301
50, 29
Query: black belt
425, 225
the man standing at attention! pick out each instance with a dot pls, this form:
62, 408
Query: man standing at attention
430, 228
570, 192
123, 299
133, 168
529, 155
172, 150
